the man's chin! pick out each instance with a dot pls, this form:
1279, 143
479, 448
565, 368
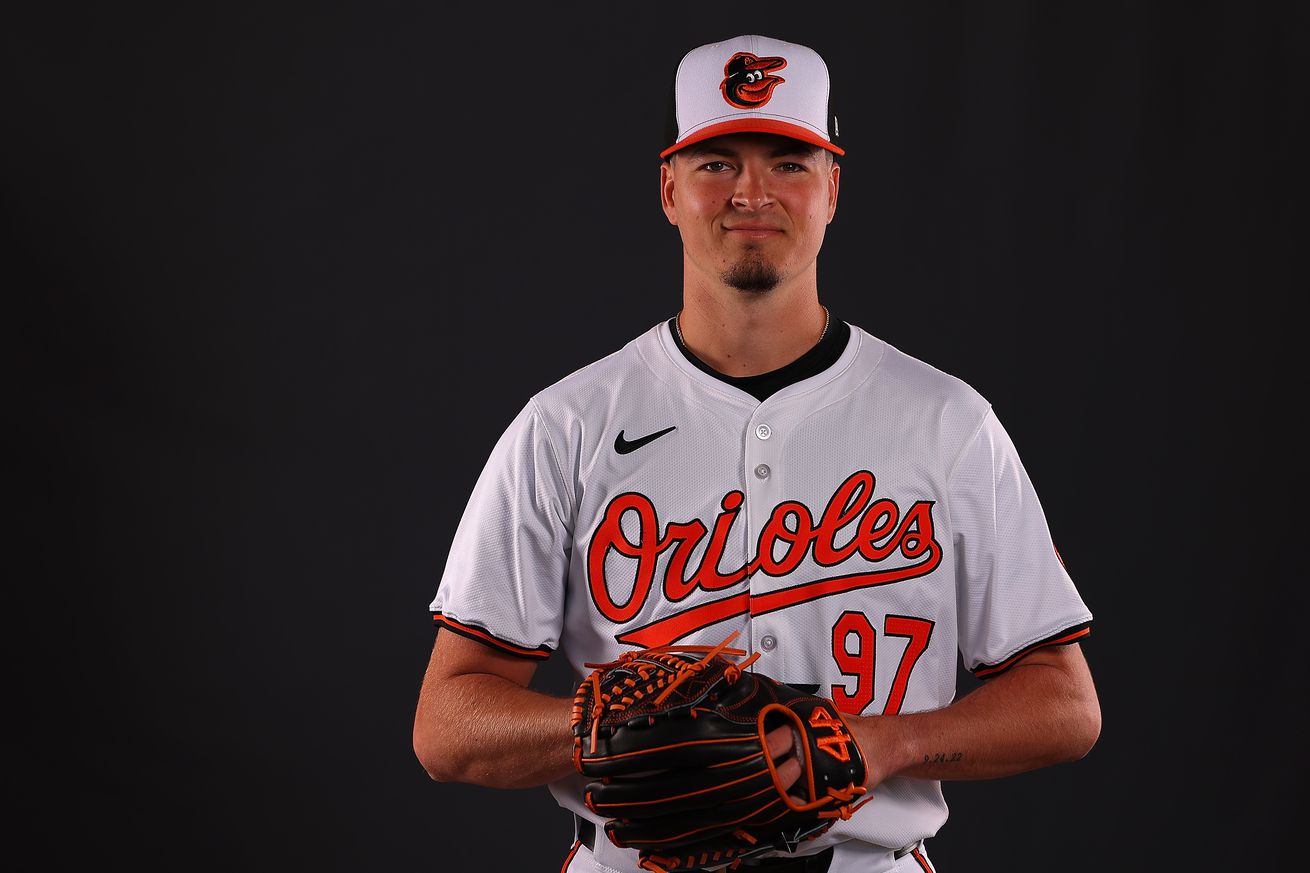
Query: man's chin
752, 276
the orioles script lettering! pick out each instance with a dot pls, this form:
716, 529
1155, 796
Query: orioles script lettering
851, 523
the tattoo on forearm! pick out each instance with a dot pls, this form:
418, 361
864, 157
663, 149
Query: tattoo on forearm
944, 758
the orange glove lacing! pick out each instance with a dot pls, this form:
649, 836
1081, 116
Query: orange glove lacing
667, 864
659, 671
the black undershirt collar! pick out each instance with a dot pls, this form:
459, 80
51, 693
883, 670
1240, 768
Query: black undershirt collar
819, 358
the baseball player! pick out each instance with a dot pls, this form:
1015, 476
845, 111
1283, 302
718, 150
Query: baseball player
756, 465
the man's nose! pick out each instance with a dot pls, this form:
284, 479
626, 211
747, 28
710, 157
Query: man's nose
752, 191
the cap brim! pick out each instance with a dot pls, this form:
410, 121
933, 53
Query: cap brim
754, 125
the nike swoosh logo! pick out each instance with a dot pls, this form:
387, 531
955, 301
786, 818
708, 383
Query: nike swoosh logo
623, 446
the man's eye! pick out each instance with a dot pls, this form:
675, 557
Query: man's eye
715, 166
791, 167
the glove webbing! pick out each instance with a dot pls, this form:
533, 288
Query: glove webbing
675, 670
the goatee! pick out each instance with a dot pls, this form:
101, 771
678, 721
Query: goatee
753, 274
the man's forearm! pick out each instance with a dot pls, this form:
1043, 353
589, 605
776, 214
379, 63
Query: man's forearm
486, 730
1042, 711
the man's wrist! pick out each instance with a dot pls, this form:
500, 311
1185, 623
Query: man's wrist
883, 744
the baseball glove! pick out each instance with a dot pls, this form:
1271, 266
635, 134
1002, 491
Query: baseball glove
674, 739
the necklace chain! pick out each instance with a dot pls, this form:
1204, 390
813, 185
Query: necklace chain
677, 325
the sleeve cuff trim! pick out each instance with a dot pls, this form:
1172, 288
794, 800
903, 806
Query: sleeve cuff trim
440, 621
1063, 638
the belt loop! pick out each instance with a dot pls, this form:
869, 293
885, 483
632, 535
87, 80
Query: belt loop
586, 832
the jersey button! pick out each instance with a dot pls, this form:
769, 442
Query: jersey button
768, 643
764, 431
762, 471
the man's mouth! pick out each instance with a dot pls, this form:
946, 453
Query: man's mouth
753, 229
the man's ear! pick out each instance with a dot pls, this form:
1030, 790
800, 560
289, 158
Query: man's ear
666, 191
834, 182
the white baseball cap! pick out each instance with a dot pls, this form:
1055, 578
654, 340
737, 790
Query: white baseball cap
752, 84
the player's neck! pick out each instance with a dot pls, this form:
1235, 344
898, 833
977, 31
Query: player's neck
745, 334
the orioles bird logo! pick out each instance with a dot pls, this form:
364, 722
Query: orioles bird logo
748, 81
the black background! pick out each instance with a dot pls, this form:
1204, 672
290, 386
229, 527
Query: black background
282, 274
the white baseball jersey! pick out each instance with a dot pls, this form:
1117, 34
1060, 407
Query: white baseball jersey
859, 528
